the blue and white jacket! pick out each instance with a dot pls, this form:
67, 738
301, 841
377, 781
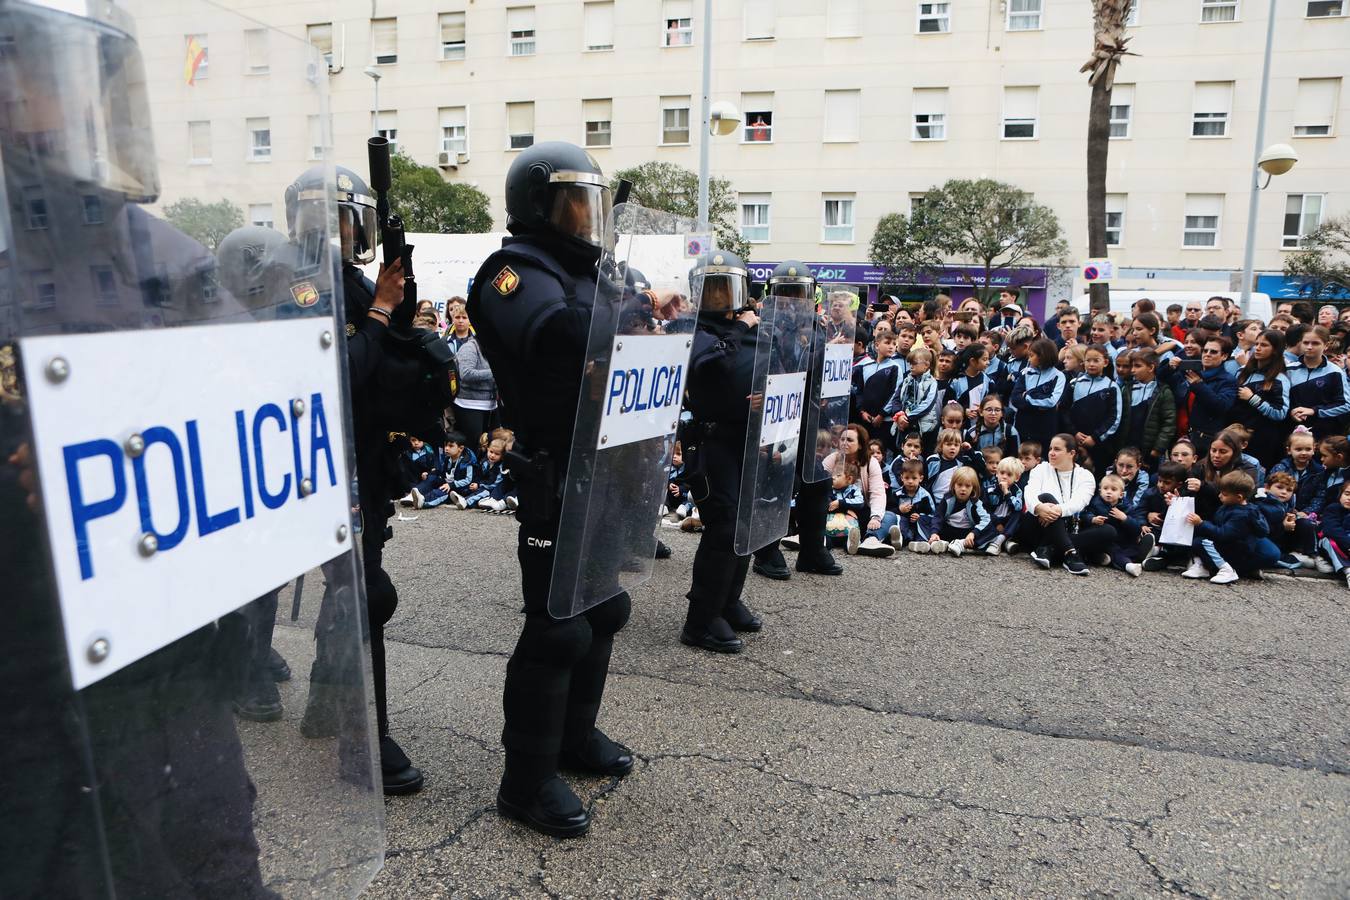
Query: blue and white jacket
938, 474
460, 473
1094, 407
917, 398
1035, 400
1309, 481
1326, 390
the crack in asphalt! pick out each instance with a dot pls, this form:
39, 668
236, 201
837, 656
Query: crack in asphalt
1165, 883
452, 837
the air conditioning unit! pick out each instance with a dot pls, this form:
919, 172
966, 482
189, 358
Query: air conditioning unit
447, 160
461, 158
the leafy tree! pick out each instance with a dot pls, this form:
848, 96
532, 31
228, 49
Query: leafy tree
984, 223
1321, 265
674, 189
430, 204
206, 222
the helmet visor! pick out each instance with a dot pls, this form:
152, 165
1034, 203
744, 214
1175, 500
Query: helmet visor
796, 289
582, 211
360, 232
73, 101
721, 292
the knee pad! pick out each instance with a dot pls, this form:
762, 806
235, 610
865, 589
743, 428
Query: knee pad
609, 617
554, 643
381, 597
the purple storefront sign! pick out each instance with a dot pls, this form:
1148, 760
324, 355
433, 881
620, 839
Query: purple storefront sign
960, 281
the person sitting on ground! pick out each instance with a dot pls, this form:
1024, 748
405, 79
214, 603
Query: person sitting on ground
1335, 541
1132, 545
847, 504
1057, 491
420, 468
1292, 531
960, 518
1004, 501
1235, 540
489, 488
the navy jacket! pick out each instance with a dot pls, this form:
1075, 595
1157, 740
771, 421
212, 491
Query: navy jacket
460, 473
1336, 526
1273, 510
1310, 485
1127, 531
1326, 390
938, 474
874, 383
993, 499
1235, 527
412, 463
962, 385
1035, 402
1094, 407
1213, 396
949, 506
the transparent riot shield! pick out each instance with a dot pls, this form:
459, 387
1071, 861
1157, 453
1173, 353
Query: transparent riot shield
773, 435
635, 374
830, 382
174, 449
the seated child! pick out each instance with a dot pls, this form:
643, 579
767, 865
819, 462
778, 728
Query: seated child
1132, 545
1236, 539
420, 467
1335, 543
912, 502
960, 522
1290, 528
489, 488
847, 505
1129, 466
679, 502
1302, 463
456, 463
985, 462
939, 467
991, 428
1170, 484
1029, 455
1004, 502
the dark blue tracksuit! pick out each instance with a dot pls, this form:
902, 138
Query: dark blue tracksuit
1002, 435
1005, 511
460, 473
1303, 539
1308, 491
1238, 535
1035, 403
970, 516
921, 504
962, 386
1326, 390
938, 474
1335, 541
1094, 410
1124, 549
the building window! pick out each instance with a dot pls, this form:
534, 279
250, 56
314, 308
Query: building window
597, 26
1122, 107
93, 209
935, 18
260, 214
843, 110
758, 122
34, 209
255, 52
916, 205
598, 114
384, 41
1024, 15
318, 140
677, 23
930, 114
1302, 216
838, 223
44, 289
454, 130
1202, 220
1132, 15
1315, 109
259, 139
1218, 10
1318, 9
105, 284
321, 37
520, 31
755, 218
1213, 100
674, 120
204, 66
759, 20
520, 125
199, 142
843, 18
1115, 220
386, 126
452, 35
1019, 113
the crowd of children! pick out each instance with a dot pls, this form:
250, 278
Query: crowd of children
459, 476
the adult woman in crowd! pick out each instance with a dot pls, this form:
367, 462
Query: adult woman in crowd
476, 403
1212, 393
1263, 398
1057, 491
853, 448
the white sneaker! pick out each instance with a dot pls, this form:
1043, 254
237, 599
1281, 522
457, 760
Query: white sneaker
1324, 566
918, 546
408, 500
874, 547
1346, 573
937, 546
457, 501
494, 505
994, 549
1305, 560
1197, 569
895, 538
791, 542
854, 539
1225, 575
418, 499
956, 548
1134, 569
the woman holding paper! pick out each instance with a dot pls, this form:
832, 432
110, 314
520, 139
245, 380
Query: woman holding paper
1057, 491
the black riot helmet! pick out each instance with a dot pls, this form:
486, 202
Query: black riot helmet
556, 188
792, 279
249, 265
307, 200
721, 280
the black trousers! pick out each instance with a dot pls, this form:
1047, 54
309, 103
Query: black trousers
1088, 540
555, 679
719, 574
807, 521
474, 423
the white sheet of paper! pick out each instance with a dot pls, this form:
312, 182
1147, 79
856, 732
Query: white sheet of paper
1176, 530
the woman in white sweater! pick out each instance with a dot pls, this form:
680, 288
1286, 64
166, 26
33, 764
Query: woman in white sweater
1057, 491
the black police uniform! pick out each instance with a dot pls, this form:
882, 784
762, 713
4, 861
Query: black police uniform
721, 376
531, 306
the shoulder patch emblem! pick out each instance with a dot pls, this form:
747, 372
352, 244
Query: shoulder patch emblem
305, 294
792, 271
351, 329
718, 260
506, 281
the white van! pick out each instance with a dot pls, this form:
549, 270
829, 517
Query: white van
1123, 300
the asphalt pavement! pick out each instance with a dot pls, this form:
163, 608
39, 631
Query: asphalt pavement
917, 727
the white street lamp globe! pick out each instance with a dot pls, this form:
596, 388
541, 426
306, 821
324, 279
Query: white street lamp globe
1278, 159
723, 118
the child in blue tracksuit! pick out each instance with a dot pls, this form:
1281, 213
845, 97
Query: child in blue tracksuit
970, 384
1037, 393
420, 467
491, 485
1301, 462
1292, 531
912, 502
847, 506
1335, 543
459, 470
914, 405
1319, 394
959, 518
1335, 451
1236, 539
678, 499
1093, 412
1004, 502
991, 428
1129, 466
1131, 545
939, 468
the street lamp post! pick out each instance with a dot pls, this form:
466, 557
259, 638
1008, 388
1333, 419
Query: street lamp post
1249, 253
705, 112
374, 74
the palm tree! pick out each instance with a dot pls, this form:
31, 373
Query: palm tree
1109, 48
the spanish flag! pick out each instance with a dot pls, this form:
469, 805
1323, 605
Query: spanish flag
196, 55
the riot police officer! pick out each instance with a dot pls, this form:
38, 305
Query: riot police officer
721, 374
532, 304
378, 407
